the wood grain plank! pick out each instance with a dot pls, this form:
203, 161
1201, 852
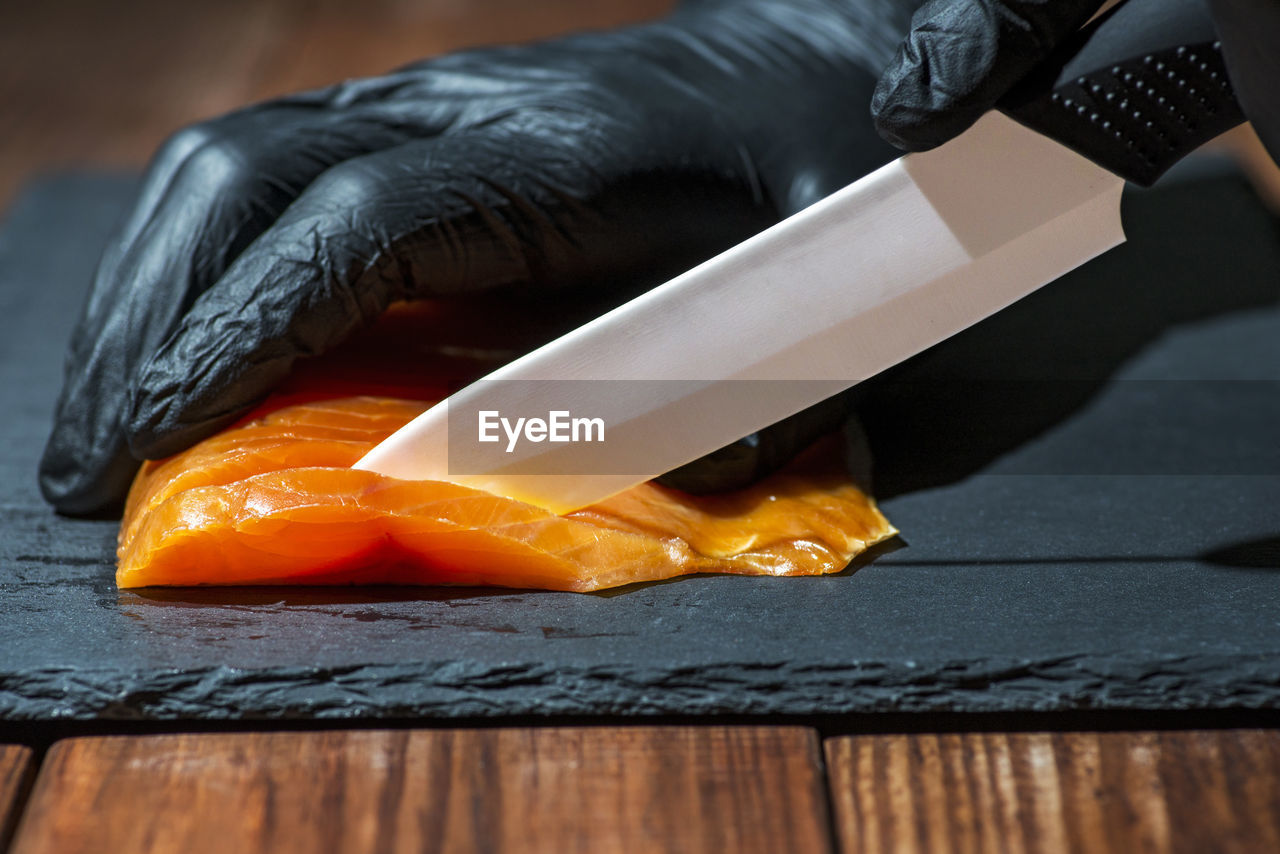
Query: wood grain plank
1192, 791
742, 789
15, 775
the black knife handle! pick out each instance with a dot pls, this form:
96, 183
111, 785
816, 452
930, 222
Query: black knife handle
1135, 91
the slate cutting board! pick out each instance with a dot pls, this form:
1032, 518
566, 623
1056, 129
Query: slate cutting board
1088, 486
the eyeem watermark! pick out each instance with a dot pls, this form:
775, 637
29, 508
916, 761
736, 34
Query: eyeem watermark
559, 426
920, 428
605, 427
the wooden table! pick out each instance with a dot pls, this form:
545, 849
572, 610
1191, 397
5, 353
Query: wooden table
679, 788
91, 84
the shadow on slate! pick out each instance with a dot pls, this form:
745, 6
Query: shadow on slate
1087, 486
1197, 248
1256, 554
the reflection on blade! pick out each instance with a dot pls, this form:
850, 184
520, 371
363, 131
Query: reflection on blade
875, 273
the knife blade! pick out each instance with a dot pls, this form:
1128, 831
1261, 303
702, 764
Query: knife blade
873, 274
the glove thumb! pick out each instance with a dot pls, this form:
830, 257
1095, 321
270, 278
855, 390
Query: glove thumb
960, 57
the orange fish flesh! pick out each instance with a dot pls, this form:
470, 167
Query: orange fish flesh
274, 501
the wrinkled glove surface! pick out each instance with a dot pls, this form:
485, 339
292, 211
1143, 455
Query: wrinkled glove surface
598, 161
961, 56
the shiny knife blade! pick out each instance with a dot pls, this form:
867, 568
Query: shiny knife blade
875, 273
852, 285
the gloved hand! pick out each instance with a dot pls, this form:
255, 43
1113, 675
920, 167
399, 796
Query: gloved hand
597, 161
961, 56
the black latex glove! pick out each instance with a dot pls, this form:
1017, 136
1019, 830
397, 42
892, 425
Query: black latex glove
961, 56
598, 161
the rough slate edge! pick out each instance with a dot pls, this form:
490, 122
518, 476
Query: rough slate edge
466, 689
461, 690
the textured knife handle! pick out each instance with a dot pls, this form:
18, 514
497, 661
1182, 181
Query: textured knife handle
1135, 91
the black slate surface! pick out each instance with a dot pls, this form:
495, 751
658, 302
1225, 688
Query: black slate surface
1088, 487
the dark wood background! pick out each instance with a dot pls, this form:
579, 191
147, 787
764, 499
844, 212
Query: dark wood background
87, 83
84, 83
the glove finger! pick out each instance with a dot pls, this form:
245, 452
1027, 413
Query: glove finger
209, 190
513, 203
760, 454
960, 57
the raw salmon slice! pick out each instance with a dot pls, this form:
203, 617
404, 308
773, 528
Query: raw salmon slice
274, 501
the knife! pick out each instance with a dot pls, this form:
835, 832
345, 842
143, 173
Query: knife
869, 276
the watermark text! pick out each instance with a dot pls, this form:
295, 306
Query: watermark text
558, 426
